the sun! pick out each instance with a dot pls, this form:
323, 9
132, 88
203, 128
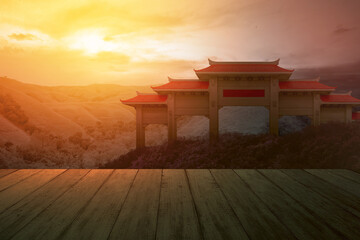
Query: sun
91, 43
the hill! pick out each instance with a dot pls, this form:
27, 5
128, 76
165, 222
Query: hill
63, 126
87, 126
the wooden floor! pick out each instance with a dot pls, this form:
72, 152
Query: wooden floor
179, 204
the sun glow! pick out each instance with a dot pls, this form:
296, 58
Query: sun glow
91, 43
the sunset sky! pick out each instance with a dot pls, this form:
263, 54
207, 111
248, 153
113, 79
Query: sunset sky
142, 42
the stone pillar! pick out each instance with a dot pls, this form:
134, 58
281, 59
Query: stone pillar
140, 129
213, 110
348, 114
274, 107
172, 131
316, 109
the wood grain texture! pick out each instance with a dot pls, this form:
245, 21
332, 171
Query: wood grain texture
302, 223
334, 216
258, 221
52, 221
16, 177
4, 172
23, 212
13, 194
137, 218
353, 176
336, 195
177, 215
341, 182
179, 204
217, 218
97, 219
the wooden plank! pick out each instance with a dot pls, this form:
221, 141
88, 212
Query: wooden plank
98, 218
177, 217
257, 219
343, 183
16, 177
338, 196
345, 223
53, 220
302, 223
15, 193
4, 172
217, 218
137, 218
20, 214
353, 176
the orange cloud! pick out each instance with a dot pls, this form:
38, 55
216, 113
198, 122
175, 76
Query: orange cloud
22, 36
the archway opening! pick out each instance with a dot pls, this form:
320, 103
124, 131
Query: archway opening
244, 119
192, 127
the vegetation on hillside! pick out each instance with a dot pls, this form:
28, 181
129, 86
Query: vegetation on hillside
332, 145
12, 111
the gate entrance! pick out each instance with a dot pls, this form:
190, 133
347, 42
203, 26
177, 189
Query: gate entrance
241, 84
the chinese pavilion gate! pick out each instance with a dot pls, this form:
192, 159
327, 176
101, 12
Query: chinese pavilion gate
239, 84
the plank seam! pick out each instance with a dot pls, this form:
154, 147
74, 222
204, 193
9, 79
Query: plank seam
324, 195
227, 200
9, 173
158, 210
344, 177
268, 207
81, 210
34, 191
127, 194
306, 208
337, 187
21, 180
194, 204
49, 205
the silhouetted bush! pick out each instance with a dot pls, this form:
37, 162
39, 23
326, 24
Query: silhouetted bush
332, 145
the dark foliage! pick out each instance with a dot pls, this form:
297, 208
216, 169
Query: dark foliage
332, 145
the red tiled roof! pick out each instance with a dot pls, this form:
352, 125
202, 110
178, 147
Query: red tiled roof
244, 68
303, 85
345, 98
356, 116
153, 98
183, 85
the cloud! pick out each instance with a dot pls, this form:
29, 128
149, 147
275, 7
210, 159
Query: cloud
152, 39
112, 57
341, 30
345, 77
22, 36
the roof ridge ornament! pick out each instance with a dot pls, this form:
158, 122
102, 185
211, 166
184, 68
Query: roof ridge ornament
212, 62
